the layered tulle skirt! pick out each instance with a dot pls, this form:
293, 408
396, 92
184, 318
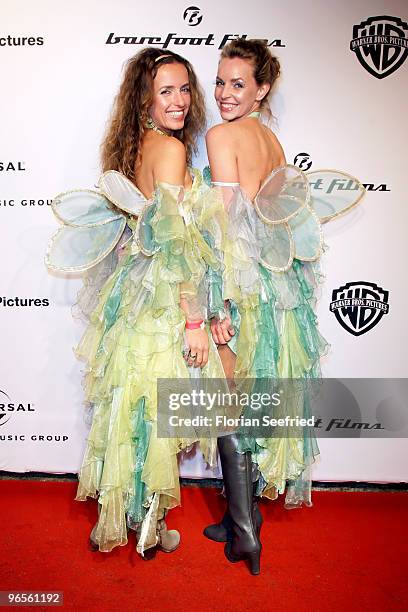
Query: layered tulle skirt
135, 336
277, 338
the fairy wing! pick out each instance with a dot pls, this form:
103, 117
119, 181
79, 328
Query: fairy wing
282, 195
333, 193
93, 222
76, 249
91, 230
122, 192
290, 229
83, 208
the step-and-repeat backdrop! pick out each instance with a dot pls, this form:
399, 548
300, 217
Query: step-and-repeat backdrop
339, 104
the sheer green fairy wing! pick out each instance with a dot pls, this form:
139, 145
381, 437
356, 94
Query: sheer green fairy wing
333, 193
83, 208
76, 249
307, 235
282, 195
276, 246
93, 222
122, 192
91, 229
291, 228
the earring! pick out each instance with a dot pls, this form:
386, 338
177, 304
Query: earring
150, 125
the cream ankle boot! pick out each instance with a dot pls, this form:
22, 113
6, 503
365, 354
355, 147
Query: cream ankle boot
169, 539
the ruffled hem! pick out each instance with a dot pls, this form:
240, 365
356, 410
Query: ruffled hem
286, 344
135, 336
276, 337
125, 462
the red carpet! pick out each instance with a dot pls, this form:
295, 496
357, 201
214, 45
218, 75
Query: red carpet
348, 551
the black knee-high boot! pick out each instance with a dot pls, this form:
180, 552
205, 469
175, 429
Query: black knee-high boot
221, 532
237, 475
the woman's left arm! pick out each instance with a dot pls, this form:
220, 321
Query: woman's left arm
171, 168
222, 159
224, 168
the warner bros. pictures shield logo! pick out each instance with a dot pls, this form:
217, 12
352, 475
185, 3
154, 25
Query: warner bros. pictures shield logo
380, 44
359, 306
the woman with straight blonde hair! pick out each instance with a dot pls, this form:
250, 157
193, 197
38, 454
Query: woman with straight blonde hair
265, 325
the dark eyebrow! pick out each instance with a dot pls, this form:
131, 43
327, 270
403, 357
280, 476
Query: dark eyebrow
232, 80
173, 87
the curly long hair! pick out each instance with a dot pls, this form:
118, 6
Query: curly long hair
266, 66
126, 126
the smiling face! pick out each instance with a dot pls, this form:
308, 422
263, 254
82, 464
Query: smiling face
171, 97
236, 91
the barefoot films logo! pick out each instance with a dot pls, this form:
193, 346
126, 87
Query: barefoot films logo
304, 162
380, 44
359, 306
192, 15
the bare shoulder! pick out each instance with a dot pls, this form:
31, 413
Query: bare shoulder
220, 134
172, 147
222, 153
169, 161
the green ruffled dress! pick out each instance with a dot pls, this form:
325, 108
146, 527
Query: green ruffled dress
270, 251
135, 335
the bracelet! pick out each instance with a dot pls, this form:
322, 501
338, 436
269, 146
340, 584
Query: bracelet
195, 324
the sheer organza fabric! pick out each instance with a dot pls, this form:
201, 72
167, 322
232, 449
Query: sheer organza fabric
135, 336
276, 336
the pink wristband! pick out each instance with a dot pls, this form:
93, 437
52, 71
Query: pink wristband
195, 324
